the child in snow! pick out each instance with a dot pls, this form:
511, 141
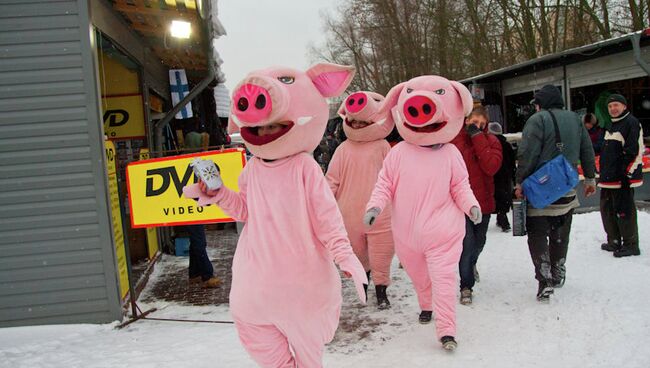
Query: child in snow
426, 181
352, 175
286, 292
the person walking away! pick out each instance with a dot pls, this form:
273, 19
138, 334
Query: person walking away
481, 152
621, 168
549, 228
504, 178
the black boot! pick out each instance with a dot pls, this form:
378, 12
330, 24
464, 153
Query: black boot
382, 299
448, 343
365, 286
544, 291
425, 317
611, 247
626, 252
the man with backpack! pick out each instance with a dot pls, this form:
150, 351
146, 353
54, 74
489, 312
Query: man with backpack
549, 227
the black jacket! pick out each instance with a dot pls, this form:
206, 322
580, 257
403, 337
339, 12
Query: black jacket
621, 159
504, 178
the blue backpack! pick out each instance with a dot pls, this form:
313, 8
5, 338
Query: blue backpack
553, 179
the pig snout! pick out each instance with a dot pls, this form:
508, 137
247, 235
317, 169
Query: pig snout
356, 102
252, 103
419, 110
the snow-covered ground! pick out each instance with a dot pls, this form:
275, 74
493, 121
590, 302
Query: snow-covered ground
601, 318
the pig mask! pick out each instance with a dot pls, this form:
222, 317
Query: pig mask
428, 109
364, 106
292, 98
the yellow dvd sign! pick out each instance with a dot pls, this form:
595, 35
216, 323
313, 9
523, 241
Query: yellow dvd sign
123, 116
156, 189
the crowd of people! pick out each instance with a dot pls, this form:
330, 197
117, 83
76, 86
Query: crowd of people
427, 199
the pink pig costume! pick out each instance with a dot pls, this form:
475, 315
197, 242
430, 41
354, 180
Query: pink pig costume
427, 183
352, 175
286, 291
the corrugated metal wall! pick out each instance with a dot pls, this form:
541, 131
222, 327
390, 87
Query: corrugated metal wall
56, 253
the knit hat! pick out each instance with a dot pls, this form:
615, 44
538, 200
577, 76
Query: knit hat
617, 98
495, 128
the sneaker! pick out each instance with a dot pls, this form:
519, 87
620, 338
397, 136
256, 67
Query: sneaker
626, 252
211, 283
448, 343
194, 280
558, 283
610, 247
544, 292
382, 299
477, 277
425, 317
466, 296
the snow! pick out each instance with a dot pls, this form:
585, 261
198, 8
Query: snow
600, 318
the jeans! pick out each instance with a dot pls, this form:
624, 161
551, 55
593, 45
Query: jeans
473, 243
200, 264
548, 243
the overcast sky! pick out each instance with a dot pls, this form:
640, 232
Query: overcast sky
262, 33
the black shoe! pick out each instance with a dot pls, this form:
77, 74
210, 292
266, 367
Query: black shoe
544, 292
425, 317
382, 299
626, 252
448, 343
610, 247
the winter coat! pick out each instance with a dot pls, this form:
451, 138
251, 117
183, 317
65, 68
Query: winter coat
482, 155
504, 178
621, 161
597, 136
538, 146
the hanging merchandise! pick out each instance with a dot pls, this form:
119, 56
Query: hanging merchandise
179, 88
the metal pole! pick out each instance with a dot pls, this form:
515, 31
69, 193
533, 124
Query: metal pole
636, 44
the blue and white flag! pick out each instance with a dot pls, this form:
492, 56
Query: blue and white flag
179, 89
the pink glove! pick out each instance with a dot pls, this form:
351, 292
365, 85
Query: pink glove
194, 192
353, 267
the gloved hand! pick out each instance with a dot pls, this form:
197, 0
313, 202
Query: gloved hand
194, 191
472, 130
475, 215
371, 215
353, 268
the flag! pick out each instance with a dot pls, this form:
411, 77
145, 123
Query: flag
179, 89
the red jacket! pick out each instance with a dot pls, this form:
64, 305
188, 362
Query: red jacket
482, 155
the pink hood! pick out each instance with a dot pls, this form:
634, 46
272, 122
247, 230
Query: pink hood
364, 106
428, 109
295, 98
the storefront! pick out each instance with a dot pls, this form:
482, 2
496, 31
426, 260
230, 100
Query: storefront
584, 75
83, 87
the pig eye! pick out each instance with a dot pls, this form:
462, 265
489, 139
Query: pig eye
440, 91
409, 90
376, 99
286, 79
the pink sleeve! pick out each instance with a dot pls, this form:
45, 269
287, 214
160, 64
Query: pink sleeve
325, 218
333, 175
384, 188
233, 203
460, 189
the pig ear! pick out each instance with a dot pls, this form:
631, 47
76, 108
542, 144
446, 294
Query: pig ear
391, 100
342, 111
330, 79
465, 97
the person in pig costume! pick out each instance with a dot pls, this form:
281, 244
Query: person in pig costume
352, 175
285, 297
426, 181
